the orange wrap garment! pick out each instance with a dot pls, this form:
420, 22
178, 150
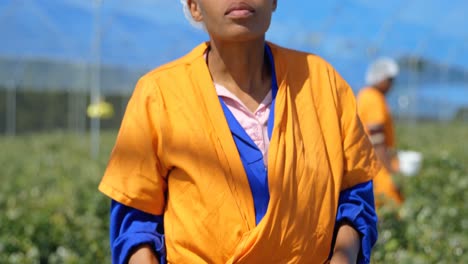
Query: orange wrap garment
175, 155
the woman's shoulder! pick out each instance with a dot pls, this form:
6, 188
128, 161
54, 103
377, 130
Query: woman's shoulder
370, 93
296, 57
179, 66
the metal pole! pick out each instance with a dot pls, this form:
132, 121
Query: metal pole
11, 109
81, 100
71, 110
96, 80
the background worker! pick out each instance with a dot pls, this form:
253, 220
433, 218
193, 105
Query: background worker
376, 117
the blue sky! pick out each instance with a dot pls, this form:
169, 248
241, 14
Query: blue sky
147, 33
144, 34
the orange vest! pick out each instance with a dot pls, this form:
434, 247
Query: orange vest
175, 156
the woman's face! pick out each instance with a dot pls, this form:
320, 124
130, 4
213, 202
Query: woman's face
233, 20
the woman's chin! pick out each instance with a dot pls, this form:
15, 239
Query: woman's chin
239, 34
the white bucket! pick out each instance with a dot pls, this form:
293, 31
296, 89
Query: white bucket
410, 162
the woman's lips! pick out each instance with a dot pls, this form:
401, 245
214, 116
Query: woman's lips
239, 10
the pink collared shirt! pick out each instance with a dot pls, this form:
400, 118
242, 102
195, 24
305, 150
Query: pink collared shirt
256, 123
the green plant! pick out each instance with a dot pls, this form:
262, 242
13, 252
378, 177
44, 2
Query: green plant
432, 224
52, 211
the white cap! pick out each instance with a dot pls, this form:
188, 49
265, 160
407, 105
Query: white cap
189, 17
380, 70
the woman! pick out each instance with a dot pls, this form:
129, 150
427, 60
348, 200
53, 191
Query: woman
241, 152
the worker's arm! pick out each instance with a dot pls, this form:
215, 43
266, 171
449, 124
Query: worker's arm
136, 236
385, 156
143, 255
377, 137
356, 225
347, 245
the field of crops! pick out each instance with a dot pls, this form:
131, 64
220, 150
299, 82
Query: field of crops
52, 212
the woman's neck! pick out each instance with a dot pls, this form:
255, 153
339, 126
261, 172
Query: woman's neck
242, 68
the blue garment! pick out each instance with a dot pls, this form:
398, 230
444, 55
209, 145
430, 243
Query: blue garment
131, 227
356, 206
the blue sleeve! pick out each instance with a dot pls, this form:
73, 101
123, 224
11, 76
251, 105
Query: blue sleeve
130, 228
356, 207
